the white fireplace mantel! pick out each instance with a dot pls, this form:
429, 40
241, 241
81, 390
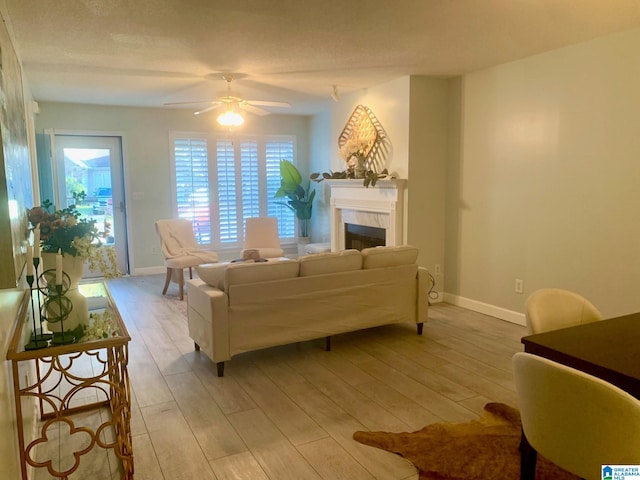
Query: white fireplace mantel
380, 206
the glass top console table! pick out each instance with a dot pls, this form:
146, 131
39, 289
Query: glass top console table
81, 391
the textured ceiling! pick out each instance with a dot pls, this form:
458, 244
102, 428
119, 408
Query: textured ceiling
149, 52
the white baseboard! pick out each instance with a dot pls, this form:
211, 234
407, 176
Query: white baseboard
487, 309
150, 270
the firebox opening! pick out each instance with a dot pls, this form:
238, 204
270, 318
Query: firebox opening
362, 236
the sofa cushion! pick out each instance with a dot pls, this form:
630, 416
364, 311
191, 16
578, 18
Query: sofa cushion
330, 262
378, 257
240, 273
212, 274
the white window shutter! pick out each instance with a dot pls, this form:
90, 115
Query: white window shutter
227, 198
192, 185
250, 179
274, 152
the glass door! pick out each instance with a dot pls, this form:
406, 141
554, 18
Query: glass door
88, 173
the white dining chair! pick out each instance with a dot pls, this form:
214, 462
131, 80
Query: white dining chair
553, 308
577, 421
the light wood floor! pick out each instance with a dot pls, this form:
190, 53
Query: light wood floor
290, 412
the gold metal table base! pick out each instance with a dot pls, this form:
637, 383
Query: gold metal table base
84, 401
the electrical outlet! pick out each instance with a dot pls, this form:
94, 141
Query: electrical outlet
437, 270
519, 286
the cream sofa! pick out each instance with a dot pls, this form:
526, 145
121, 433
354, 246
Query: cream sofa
236, 308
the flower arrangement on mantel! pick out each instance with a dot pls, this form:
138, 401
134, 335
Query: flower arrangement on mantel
354, 153
65, 231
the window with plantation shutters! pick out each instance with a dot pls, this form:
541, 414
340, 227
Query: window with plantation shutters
250, 175
274, 152
192, 185
234, 178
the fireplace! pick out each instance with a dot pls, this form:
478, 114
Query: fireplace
354, 206
363, 236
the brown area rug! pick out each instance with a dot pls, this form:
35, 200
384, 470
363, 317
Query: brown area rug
483, 449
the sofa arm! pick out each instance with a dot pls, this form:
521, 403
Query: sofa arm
208, 320
424, 285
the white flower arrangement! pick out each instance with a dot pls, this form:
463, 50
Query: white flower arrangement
100, 258
355, 147
101, 326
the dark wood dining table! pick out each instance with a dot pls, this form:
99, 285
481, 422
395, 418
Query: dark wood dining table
608, 349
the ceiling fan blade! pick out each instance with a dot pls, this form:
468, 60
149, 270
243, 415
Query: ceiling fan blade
252, 109
193, 102
232, 97
208, 109
266, 103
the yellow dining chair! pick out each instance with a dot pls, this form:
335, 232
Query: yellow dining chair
574, 419
554, 308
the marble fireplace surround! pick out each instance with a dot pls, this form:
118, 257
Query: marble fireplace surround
380, 206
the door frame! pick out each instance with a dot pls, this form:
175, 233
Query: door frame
52, 132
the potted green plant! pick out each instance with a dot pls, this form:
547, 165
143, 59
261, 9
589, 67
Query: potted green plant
299, 198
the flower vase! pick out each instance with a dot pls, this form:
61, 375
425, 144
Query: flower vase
72, 266
79, 313
358, 163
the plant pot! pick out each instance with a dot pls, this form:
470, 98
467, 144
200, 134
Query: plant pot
302, 243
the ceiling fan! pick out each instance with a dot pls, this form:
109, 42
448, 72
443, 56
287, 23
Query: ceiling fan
230, 103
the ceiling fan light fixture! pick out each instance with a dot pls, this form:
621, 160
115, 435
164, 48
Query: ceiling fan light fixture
230, 117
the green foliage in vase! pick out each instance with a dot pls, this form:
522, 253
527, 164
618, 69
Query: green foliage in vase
369, 177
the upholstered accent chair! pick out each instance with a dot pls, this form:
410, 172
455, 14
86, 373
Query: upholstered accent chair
261, 233
554, 308
576, 420
180, 250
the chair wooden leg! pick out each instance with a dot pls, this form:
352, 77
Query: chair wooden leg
181, 282
167, 280
220, 367
420, 326
528, 459
327, 345
190, 273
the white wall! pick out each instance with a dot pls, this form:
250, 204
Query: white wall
548, 178
413, 112
320, 151
389, 102
428, 149
147, 155
10, 298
